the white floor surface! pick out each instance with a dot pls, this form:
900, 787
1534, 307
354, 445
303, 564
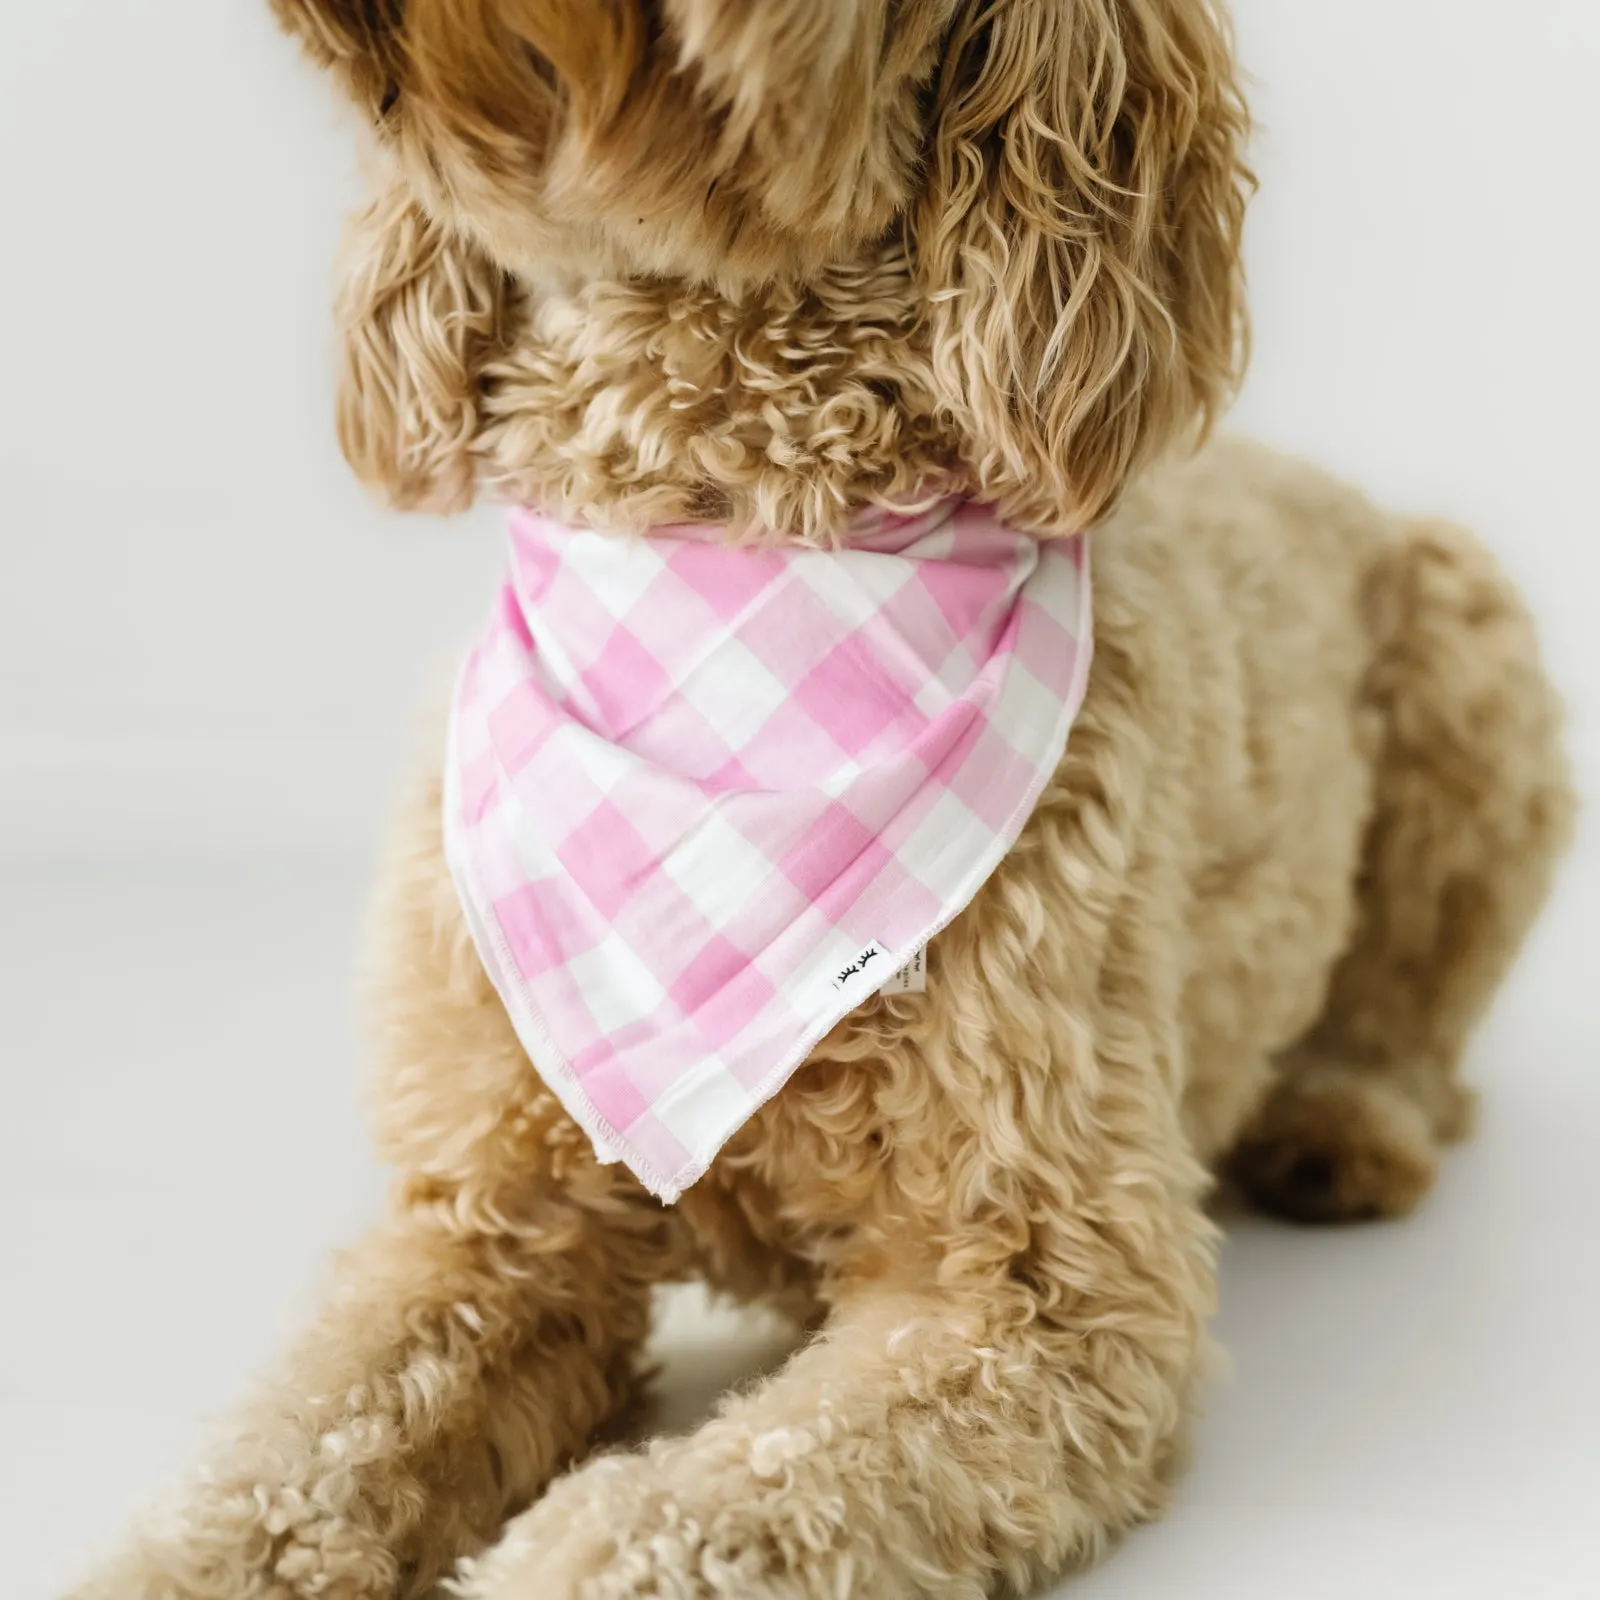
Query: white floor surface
1413, 1410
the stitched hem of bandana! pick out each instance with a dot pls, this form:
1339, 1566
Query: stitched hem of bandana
610, 1146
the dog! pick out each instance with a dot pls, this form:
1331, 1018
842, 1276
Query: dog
771, 268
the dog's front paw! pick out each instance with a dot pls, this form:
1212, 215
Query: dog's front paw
212, 1542
672, 1524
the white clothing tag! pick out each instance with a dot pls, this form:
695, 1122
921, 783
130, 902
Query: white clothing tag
912, 978
874, 957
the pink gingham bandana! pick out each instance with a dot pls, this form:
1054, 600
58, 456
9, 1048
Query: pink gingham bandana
703, 800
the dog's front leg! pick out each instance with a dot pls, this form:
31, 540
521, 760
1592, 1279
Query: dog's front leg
918, 1449
452, 1371
936, 1440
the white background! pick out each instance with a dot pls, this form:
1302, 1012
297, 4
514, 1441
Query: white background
211, 645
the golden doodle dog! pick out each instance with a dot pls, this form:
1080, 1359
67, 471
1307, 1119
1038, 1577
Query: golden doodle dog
770, 264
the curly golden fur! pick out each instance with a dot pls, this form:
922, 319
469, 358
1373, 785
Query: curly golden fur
768, 264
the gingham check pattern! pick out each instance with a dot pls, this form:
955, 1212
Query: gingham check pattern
689, 785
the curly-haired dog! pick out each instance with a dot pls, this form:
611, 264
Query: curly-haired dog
770, 265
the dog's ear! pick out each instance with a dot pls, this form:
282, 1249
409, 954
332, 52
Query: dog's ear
420, 312
1079, 237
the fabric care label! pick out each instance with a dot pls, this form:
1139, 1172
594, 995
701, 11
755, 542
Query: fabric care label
912, 978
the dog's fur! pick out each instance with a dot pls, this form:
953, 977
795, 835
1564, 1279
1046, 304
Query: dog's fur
768, 263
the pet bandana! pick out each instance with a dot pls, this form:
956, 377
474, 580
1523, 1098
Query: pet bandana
704, 800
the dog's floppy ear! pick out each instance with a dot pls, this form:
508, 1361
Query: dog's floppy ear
420, 312
1079, 239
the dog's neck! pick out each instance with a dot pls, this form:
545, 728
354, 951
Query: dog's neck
785, 411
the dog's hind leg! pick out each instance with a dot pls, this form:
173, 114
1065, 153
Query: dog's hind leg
1472, 806
473, 1345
